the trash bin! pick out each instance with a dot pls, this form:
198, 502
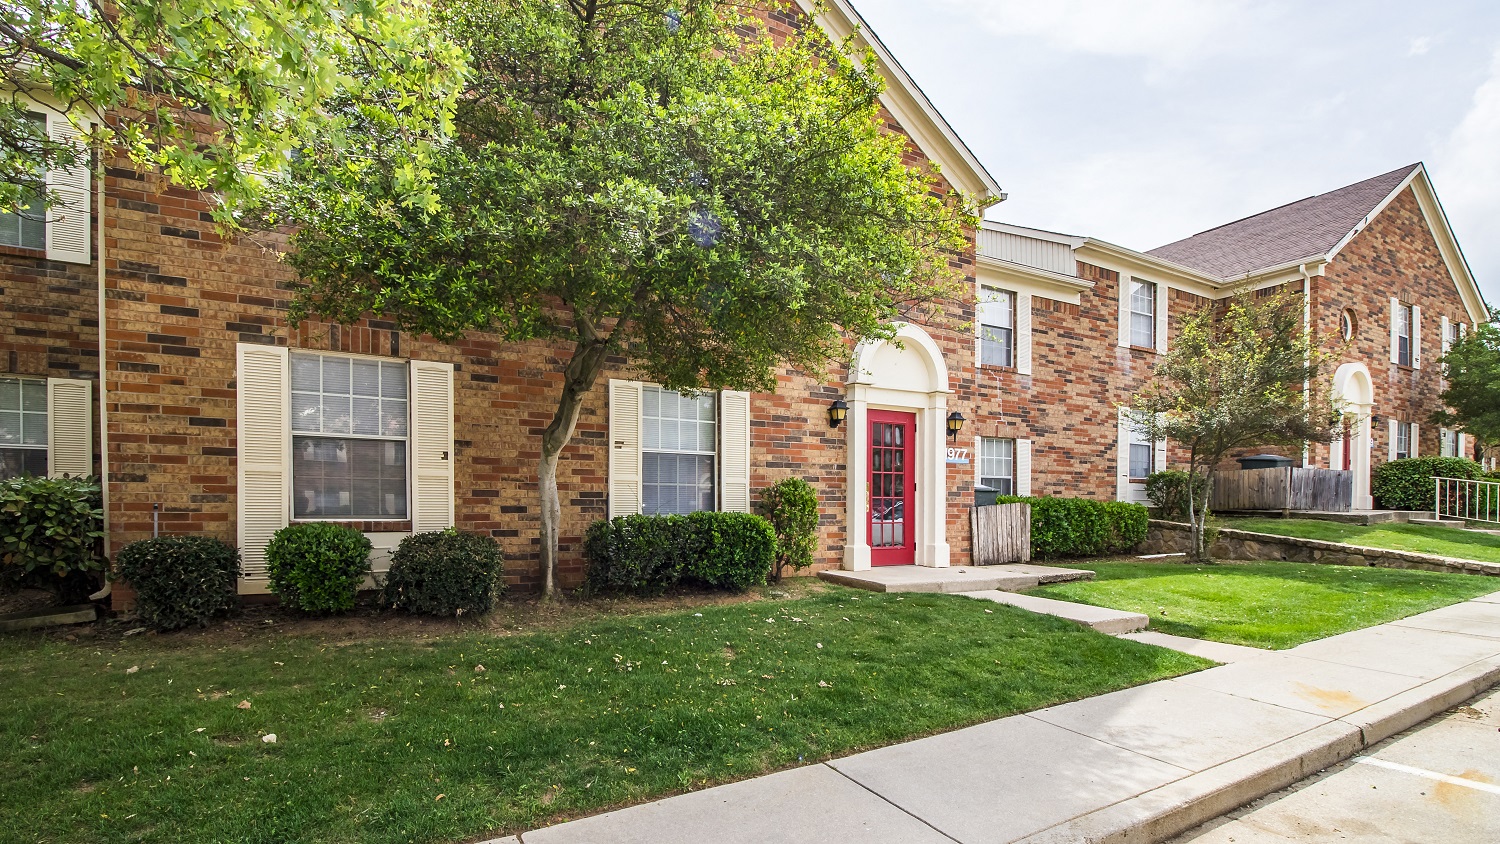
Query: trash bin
984, 496
1264, 461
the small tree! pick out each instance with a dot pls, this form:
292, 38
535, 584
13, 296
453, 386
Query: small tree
1241, 373
791, 506
1472, 370
658, 180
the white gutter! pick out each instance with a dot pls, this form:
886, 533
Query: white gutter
103, 392
1307, 337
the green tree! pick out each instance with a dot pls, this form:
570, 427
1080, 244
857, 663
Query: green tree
1472, 371
659, 180
1241, 373
209, 91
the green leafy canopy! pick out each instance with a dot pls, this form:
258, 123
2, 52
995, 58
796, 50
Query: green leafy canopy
211, 92
1472, 370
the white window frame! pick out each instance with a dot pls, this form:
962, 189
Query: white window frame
1150, 317
39, 201
1448, 443
293, 433
21, 381
1403, 435
1138, 438
987, 461
1402, 330
715, 453
1011, 300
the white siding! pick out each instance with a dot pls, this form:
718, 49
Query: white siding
1027, 251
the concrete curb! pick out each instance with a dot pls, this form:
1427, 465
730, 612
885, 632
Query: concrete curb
1179, 806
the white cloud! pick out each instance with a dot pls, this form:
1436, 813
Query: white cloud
1467, 171
1164, 31
1420, 46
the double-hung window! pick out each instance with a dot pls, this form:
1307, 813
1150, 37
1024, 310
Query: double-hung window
1403, 440
26, 227
23, 427
349, 437
1142, 454
1403, 317
997, 464
1448, 443
1142, 313
678, 450
997, 327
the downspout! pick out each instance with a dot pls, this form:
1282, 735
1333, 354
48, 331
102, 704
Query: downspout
103, 392
1307, 337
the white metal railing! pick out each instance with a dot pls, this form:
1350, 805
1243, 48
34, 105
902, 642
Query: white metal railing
1458, 498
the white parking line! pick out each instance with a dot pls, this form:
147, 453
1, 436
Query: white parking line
1432, 775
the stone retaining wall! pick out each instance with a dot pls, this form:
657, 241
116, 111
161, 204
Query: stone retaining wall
1175, 537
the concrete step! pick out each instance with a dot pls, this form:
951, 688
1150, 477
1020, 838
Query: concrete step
1453, 523
1007, 578
1113, 622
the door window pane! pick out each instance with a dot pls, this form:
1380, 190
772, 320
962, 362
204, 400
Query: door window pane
679, 448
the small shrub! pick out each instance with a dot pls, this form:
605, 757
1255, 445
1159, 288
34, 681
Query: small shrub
1167, 490
180, 581
1082, 527
49, 535
732, 551
445, 573
791, 506
317, 567
648, 555
1407, 484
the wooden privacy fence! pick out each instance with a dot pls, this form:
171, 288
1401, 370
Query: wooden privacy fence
1002, 534
1290, 488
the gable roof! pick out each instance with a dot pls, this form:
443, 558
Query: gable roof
927, 128
1309, 228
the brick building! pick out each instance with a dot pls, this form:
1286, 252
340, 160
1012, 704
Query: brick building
210, 414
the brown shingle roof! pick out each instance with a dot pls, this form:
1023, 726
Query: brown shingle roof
1304, 229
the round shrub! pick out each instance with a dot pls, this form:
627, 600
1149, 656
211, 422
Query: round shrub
445, 573
317, 567
732, 551
642, 555
791, 506
1167, 491
49, 535
180, 581
1407, 484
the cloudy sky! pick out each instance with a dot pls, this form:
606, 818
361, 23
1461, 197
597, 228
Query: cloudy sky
1144, 121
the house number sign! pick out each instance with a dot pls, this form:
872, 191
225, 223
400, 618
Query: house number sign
958, 455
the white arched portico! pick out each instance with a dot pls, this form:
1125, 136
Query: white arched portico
1352, 386
906, 375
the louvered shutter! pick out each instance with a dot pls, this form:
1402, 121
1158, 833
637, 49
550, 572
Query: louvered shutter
1122, 455
1391, 451
1443, 336
734, 451
1159, 455
264, 437
68, 220
431, 445
1162, 305
624, 448
1023, 467
1395, 334
1415, 438
1416, 336
1023, 333
1124, 310
70, 427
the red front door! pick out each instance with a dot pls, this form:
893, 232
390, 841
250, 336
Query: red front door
1348, 445
892, 540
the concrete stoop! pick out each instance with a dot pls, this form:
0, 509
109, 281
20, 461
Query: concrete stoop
1015, 577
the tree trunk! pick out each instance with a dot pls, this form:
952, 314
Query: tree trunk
1200, 517
578, 379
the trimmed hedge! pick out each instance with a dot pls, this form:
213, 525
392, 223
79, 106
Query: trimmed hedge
49, 535
1167, 490
318, 567
648, 555
1082, 527
1407, 484
444, 573
180, 581
791, 506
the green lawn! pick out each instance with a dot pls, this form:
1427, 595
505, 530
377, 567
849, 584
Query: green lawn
1423, 539
405, 739
1267, 605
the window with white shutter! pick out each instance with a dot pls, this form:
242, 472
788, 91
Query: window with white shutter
349, 424
26, 227
24, 431
997, 327
997, 465
676, 453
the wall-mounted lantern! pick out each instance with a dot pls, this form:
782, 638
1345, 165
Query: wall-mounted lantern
837, 413
955, 424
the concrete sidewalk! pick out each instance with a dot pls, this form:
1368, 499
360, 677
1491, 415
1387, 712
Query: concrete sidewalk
1137, 765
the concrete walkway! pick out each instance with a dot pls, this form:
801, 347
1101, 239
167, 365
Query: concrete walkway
1136, 765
